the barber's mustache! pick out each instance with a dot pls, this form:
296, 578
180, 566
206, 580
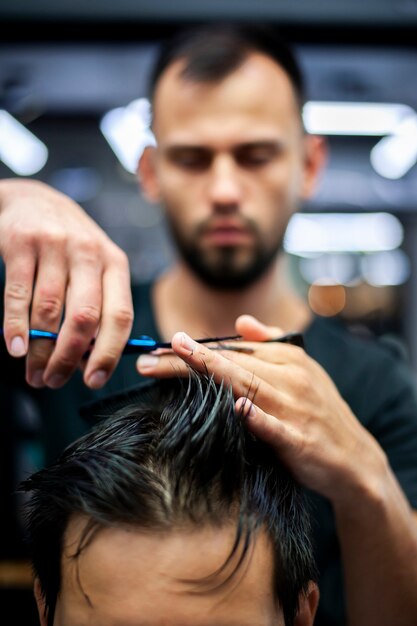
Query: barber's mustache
238, 222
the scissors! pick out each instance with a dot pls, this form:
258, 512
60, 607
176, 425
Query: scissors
144, 343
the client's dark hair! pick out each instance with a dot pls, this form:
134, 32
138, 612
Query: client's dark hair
178, 456
213, 51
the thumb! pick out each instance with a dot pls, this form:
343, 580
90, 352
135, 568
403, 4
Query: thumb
252, 329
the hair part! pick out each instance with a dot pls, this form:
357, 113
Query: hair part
178, 456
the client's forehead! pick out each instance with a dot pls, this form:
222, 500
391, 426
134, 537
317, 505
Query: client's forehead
132, 577
258, 93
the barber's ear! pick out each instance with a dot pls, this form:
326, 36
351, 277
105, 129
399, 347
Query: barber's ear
308, 604
40, 602
315, 159
146, 174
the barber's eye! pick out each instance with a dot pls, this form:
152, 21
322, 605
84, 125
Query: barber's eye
192, 160
255, 157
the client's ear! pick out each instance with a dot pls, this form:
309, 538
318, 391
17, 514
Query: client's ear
40, 601
308, 606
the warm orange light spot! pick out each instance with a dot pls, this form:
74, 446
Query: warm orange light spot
326, 300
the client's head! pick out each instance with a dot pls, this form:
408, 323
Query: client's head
169, 513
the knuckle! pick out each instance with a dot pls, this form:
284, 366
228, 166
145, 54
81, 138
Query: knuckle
75, 345
21, 236
123, 318
207, 358
13, 325
250, 385
67, 362
85, 249
299, 356
303, 380
86, 317
300, 444
107, 360
54, 238
48, 308
17, 291
38, 354
90, 248
124, 258
115, 251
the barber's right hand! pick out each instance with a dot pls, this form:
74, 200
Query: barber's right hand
56, 256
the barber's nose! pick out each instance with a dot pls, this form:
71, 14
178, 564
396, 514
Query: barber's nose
225, 186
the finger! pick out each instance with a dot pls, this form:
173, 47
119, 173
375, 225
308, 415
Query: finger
252, 329
82, 318
115, 326
20, 274
162, 365
268, 428
243, 381
272, 352
46, 313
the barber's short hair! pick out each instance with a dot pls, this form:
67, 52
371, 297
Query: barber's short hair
178, 456
212, 52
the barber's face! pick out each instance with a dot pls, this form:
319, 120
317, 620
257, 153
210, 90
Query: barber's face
128, 577
230, 167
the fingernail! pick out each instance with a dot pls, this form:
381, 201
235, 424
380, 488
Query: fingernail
97, 379
17, 347
36, 379
188, 343
147, 361
55, 381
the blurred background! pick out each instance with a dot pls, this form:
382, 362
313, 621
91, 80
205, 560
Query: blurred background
71, 75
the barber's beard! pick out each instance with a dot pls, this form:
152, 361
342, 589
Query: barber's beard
226, 268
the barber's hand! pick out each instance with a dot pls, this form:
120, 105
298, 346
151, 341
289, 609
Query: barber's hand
289, 401
56, 256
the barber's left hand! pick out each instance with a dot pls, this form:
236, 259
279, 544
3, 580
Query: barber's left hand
289, 401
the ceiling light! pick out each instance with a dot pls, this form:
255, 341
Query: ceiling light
388, 268
353, 118
330, 269
309, 233
395, 155
127, 130
20, 149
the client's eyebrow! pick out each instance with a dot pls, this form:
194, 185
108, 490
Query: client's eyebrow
261, 144
175, 149
185, 147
